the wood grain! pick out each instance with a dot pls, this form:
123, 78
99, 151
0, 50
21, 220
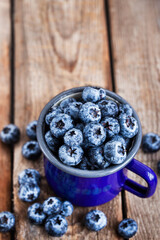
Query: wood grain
5, 153
59, 45
135, 29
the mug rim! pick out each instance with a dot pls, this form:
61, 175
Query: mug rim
75, 171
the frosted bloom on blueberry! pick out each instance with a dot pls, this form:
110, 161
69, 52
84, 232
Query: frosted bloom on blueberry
73, 137
115, 152
95, 133
95, 220
90, 112
128, 126
56, 226
60, 124
71, 156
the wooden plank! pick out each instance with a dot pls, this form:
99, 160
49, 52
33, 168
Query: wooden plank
59, 45
5, 153
136, 51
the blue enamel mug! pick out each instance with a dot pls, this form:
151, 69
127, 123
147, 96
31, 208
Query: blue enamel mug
93, 187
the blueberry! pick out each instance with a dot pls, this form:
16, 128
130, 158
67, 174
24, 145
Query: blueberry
31, 150
52, 142
86, 165
96, 157
158, 167
150, 142
29, 176
10, 134
54, 111
125, 109
66, 209
102, 94
79, 126
95, 133
90, 94
129, 127
111, 125
29, 192
115, 152
73, 137
31, 130
127, 228
66, 102
7, 221
60, 125
70, 155
90, 112
56, 226
36, 214
52, 206
95, 220
73, 109
108, 108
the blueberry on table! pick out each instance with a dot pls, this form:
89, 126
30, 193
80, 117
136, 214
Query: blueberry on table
60, 125
150, 142
73, 137
96, 157
66, 102
29, 176
31, 150
35, 214
90, 112
129, 127
73, 109
125, 109
10, 134
28, 192
111, 125
115, 152
108, 108
70, 156
90, 94
95, 220
31, 130
52, 142
56, 226
52, 206
66, 209
127, 228
53, 112
7, 221
94, 133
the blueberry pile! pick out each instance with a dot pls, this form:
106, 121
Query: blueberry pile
92, 132
52, 213
29, 181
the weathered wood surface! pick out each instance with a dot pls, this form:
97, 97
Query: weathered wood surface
5, 153
135, 28
58, 45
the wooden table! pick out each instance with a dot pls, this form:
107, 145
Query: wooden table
49, 46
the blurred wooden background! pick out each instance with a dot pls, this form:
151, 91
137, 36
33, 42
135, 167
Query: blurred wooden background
49, 46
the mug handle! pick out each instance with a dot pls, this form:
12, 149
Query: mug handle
147, 174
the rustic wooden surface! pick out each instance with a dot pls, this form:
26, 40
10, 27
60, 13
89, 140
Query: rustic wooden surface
136, 53
64, 44
5, 110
